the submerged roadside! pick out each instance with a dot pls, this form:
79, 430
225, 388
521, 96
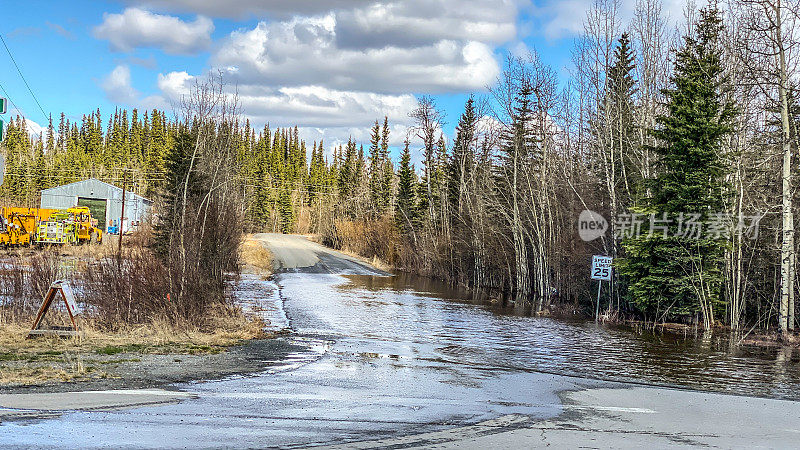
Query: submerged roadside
148, 358
242, 337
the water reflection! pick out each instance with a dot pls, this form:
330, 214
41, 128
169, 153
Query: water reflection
477, 332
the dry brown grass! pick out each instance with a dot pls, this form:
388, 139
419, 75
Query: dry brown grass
47, 359
374, 262
376, 240
36, 375
90, 251
255, 256
222, 328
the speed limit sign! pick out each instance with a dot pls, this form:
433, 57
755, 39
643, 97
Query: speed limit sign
601, 267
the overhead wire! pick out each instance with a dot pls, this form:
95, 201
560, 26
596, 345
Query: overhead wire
44, 114
14, 105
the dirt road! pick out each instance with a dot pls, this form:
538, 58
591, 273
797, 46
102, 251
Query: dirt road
293, 253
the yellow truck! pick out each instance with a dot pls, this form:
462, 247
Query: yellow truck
70, 226
18, 226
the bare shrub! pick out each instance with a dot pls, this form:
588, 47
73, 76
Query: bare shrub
13, 289
368, 238
45, 268
143, 235
24, 283
200, 225
133, 289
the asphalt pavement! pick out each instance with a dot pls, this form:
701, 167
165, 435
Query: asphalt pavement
392, 368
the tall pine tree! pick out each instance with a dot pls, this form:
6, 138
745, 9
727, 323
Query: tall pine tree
680, 274
405, 208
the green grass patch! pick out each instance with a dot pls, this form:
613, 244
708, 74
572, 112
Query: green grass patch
12, 356
165, 349
115, 349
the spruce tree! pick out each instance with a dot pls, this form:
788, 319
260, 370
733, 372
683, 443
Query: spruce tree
262, 183
348, 174
681, 274
39, 181
405, 207
388, 168
63, 128
461, 162
375, 170
176, 168
51, 144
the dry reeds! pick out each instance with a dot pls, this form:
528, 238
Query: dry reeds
255, 255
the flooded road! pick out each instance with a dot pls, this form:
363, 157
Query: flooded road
471, 332
403, 361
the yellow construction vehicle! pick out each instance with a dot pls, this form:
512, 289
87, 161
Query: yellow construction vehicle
70, 226
11, 235
85, 226
18, 225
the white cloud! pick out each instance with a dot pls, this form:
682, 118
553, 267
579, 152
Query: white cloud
304, 51
333, 67
34, 129
413, 23
174, 85
304, 106
244, 8
565, 18
311, 106
117, 86
136, 28
119, 90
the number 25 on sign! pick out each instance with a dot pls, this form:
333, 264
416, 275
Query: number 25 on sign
601, 268
601, 271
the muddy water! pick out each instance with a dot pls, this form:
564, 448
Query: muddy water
382, 356
471, 331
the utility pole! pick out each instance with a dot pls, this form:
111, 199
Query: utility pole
3, 110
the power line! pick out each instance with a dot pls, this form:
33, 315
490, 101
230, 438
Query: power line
10, 101
23, 79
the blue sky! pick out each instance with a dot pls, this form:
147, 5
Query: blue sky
331, 67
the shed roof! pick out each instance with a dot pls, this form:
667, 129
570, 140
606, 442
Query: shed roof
95, 182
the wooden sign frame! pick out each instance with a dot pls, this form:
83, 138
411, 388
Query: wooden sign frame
65, 290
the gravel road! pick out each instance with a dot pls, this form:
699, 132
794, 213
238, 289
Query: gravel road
293, 253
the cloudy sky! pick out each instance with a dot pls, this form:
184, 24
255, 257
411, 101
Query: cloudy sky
331, 67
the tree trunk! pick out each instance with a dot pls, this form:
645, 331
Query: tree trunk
787, 246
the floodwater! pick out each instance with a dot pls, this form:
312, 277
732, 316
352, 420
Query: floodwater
475, 332
399, 355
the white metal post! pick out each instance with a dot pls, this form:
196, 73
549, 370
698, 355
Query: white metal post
597, 307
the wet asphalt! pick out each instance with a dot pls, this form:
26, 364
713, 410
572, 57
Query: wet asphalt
368, 368
396, 368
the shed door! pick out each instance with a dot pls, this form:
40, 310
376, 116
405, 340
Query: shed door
97, 208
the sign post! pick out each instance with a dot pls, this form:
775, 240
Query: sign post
63, 290
601, 270
3, 110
